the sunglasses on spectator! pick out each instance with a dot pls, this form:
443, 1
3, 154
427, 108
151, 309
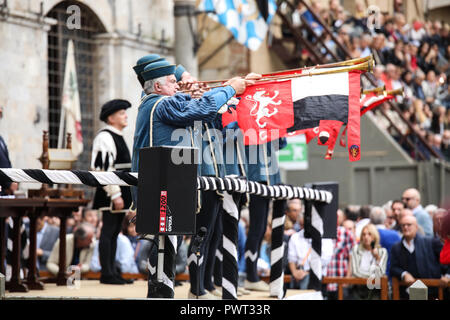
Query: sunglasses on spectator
406, 199
390, 217
406, 225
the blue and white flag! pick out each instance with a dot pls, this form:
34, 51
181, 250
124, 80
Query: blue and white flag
242, 18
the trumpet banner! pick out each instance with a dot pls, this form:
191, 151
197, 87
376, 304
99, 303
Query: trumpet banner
276, 109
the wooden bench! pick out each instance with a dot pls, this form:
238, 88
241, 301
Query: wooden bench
396, 283
340, 281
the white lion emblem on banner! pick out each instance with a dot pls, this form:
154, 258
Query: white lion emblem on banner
261, 109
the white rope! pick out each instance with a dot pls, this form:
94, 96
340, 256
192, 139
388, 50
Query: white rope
99, 178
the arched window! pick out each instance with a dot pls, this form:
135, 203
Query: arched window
85, 60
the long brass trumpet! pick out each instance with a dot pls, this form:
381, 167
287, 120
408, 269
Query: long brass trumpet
275, 74
365, 67
382, 90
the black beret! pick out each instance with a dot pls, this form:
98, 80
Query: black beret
112, 106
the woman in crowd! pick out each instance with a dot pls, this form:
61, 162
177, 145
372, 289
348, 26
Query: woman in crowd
367, 260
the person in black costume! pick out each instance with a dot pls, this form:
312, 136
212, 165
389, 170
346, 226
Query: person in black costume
111, 153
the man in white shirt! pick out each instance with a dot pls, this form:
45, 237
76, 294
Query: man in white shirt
299, 257
46, 237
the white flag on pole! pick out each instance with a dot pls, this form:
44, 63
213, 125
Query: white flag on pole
70, 104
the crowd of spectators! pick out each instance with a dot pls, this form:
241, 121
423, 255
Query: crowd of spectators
400, 238
413, 55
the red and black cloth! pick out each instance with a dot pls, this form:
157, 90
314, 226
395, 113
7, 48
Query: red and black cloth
275, 109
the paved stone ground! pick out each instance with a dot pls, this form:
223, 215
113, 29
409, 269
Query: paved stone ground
137, 290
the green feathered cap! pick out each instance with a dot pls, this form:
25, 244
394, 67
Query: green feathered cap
146, 60
157, 70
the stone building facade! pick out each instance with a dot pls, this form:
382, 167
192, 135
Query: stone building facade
112, 35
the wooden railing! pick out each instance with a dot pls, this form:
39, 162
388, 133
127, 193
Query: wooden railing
341, 281
396, 284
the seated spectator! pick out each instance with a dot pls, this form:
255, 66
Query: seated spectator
125, 255
388, 30
417, 32
343, 38
447, 120
90, 216
392, 222
445, 147
430, 87
419, 77
367, 259
443, 83
396, 55
54, 221
411, 56
420, 114
263, 263
77, 216
293, 212
129, 230
407, 83
436, 145
124, 259
390, 76
299, 257
387, 237
79, 249
181, 257
333, 7
427, 58
431, 209
350, 226
339, 264
74, 220
340, 217
145, 250
363, 220
444, 99
408, 212
387, 208
46, 237
378, 48
309, 17
242, 238
437, 120
366, 41
149, 251
411, 199
351, 213
416, 256
355, 49
400, 28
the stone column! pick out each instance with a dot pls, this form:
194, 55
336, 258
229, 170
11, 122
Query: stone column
185, 28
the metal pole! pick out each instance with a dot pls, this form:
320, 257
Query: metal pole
185, 35
160, 268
